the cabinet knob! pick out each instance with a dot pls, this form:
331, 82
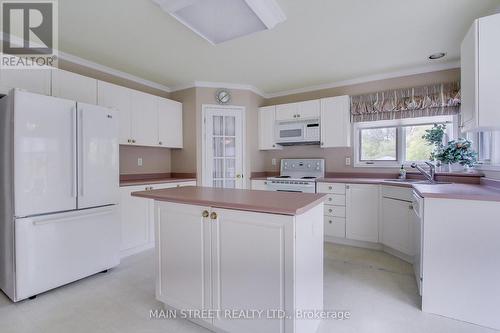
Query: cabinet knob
213, 216
330, 199
133, 141
330, 221
160, 143
330, 187
330, 210
205, 213
347, 187
129, 141
274, 146
410, 207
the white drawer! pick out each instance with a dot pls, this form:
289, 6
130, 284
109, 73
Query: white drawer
335, 211
335, 226
335, 199
333, 188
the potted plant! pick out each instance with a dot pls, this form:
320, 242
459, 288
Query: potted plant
452, 153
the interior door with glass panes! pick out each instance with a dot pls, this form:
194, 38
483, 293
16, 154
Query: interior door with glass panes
223, 147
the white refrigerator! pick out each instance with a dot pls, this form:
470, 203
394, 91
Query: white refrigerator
59, 190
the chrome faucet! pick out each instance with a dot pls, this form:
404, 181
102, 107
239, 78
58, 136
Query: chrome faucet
429, 175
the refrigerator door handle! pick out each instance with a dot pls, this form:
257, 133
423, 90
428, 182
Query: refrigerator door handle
81, 153
66, 219
74, 182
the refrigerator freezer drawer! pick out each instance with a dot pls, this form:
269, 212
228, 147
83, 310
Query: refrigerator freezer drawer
54, 250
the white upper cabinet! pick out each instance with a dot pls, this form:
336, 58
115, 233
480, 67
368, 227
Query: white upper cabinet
73, 86
298, 111
335, 122
267, 121
144, 119
170, 123
33, 80
480, 75
120, 99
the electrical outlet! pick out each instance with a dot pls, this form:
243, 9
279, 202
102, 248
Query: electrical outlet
348, 160
273, 161
139, 161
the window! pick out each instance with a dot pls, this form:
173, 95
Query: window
379, 144
487, 145
394, 142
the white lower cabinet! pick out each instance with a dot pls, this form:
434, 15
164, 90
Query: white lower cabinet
208, 260
137, 217
396, 225
362, 202
259, 184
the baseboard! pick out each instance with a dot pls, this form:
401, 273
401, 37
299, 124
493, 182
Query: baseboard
355, 243
136, 250
370, 246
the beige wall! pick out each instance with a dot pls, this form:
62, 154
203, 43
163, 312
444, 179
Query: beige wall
189, 159
374, 86
154, 160
184, 160
335, 157
98, 75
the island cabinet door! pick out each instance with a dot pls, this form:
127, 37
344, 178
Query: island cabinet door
183, 256
252, 270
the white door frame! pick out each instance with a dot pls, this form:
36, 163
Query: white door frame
242, 110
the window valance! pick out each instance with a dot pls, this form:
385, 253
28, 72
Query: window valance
425, 101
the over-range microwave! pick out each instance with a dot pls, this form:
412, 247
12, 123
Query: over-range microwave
305, 132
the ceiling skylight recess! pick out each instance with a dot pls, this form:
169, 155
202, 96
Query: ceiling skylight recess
219, 21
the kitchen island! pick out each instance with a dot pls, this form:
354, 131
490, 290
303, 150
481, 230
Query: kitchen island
239, 260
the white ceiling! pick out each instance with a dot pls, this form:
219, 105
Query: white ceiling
322, 41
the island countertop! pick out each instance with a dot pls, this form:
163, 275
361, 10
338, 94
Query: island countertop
283, 203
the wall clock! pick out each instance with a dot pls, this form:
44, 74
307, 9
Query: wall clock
222, 96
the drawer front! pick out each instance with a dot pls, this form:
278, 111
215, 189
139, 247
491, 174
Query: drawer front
335, 199
398, 193
334, 211
335, 226
334, 188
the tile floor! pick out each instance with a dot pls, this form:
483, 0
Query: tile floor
378, 289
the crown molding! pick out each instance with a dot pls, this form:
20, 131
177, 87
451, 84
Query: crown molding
390, 75
123, 75
92, 65
208, 84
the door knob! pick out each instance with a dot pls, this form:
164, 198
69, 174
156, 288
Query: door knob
205, 213
213, 216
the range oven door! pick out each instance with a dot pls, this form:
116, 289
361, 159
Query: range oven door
298, 188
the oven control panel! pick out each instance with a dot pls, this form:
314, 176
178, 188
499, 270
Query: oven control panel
299, 168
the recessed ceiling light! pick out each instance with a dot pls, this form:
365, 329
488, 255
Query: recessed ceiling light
436, 56
221, 20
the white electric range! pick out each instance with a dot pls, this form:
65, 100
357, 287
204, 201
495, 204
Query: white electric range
297, 175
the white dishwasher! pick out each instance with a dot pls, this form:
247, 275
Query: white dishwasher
418, 232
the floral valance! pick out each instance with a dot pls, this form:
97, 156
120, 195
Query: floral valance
432, 100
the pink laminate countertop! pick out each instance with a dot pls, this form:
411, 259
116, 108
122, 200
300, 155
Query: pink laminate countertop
137, 182
458, 191
444, 191
283, 203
